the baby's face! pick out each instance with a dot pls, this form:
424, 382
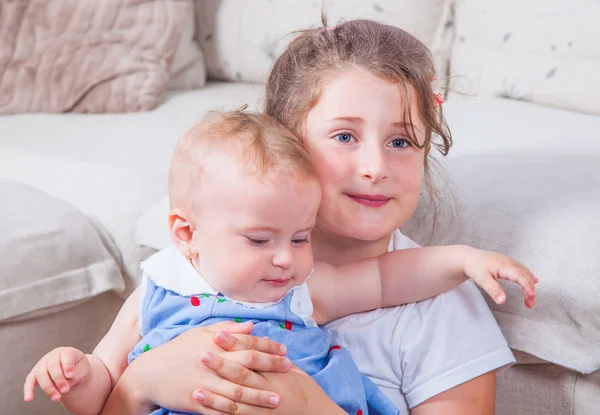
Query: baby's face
253, 237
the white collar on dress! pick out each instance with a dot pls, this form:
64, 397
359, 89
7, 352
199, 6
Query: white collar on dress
170, 269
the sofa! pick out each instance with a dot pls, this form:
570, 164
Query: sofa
85, 150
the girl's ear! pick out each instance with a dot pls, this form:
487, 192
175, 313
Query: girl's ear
181, 228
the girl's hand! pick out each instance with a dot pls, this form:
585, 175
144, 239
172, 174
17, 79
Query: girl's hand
299, 393
167, 375
485, 268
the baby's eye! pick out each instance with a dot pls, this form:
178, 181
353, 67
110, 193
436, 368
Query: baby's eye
345, 138
299, 241
399, 143
257, 242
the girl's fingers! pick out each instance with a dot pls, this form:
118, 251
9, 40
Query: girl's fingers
215, 402
29, 387
46, 384
232, 371
530, 301
232, 327
257, 361
238, 383
521, 276
238, 342
221, 405
493, 288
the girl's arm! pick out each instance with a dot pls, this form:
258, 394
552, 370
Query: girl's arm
171, 375
227, 386
477, 396
411, 275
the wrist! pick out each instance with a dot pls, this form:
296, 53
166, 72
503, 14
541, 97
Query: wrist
130, 396
469, 255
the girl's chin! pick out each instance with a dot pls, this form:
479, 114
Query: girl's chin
367, 231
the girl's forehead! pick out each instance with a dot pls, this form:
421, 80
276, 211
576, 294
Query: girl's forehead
359, 95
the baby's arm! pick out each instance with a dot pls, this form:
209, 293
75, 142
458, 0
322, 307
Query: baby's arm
411, 275
83, 382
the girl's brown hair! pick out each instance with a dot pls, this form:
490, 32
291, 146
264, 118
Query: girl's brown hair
315, 56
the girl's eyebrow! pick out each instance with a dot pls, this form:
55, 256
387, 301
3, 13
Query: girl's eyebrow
358, 120
406, 125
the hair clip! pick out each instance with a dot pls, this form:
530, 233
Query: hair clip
330, 28
438, 100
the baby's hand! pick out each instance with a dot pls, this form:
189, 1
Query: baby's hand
57, 373
485, 268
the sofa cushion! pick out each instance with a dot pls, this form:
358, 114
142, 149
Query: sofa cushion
542, 210
111, 166
543, 51
52, 254
101, 56
528, 184
242, 39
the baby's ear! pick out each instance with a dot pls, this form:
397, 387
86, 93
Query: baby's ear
181, 228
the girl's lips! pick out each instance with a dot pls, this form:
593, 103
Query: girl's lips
370, 200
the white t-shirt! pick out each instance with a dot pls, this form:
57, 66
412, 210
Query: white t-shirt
416, 351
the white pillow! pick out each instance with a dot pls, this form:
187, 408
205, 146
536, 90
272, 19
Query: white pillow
52, 254
542, 51
241, 40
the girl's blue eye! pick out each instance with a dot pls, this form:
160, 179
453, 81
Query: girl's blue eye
399, 143
345, 138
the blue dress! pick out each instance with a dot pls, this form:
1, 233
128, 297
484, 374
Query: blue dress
188, 301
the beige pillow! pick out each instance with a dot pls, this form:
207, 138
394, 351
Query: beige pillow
188, 70
52, 254
542, 51
87, 56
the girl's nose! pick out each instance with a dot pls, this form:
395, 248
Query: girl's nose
373, 165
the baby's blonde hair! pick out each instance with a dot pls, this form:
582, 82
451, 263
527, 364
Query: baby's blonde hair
262, 144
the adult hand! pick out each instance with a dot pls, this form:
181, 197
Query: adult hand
167, 375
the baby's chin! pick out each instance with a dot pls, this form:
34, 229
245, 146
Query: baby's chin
268, 293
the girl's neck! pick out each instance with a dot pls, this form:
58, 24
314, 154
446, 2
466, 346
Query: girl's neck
337, 250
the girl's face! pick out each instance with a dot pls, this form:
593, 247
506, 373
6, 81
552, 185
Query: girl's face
370, 173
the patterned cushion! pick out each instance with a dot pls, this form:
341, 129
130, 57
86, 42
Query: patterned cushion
542, 51
242, 39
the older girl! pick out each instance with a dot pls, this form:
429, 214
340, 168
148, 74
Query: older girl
360, 97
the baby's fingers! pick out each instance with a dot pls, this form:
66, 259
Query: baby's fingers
68, 359
29, 386
57, 375
46, 384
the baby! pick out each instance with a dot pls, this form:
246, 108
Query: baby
244, 198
